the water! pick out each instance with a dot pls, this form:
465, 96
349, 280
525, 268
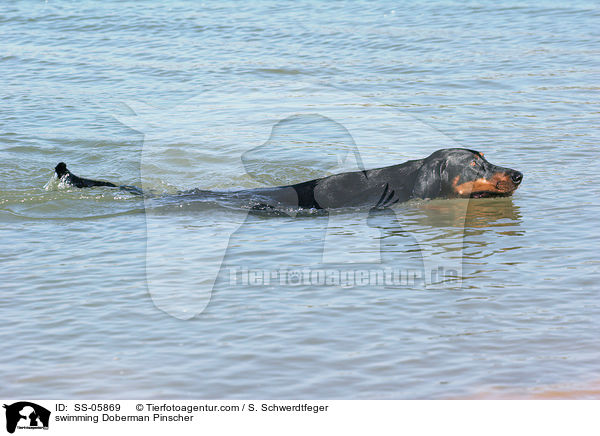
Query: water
103, 291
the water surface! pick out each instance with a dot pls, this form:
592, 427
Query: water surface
221, 95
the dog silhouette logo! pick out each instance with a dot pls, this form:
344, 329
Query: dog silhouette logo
287, 133
26, 415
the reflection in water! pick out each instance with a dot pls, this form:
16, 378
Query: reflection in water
448, 217
469, 213
441, 234
492, 212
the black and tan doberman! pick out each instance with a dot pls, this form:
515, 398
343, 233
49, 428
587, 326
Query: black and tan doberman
446, 173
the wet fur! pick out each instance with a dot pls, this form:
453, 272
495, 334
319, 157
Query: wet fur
446, 173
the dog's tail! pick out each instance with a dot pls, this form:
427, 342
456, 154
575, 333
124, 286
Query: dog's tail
61, 169
63, 173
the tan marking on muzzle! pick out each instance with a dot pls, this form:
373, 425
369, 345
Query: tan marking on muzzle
500, 183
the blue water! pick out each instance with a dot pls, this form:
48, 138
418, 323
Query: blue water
106, 294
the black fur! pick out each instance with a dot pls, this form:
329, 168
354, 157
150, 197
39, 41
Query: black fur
446, 173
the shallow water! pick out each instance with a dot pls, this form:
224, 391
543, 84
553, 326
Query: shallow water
106, 295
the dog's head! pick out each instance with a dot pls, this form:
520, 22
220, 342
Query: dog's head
459, 172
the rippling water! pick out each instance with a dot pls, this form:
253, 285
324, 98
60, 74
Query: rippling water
103, 290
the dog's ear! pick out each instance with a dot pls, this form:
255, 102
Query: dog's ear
430, 178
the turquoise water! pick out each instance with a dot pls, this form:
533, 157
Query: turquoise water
109, 295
